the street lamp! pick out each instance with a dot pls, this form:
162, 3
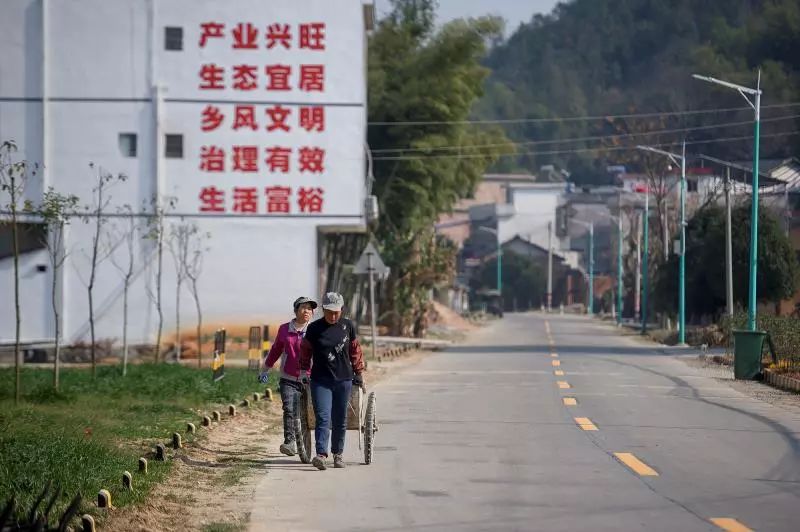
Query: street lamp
590, 225
499, 258
756, 105
618, 221
679, 159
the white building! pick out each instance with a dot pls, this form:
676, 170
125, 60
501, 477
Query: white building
250, 114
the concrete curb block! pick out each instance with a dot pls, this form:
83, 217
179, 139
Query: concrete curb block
783, 382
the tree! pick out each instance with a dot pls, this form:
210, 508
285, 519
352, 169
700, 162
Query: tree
416, 73
180, 240
194, 268
55, 210
96, 215
778, 275
524, 283
13, 178
156, 233
125, 234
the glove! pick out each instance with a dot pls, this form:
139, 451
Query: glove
263, 376
358, 380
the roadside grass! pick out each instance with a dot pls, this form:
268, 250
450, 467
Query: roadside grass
83, 437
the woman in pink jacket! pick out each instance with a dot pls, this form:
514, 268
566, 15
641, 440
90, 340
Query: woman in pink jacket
287, 348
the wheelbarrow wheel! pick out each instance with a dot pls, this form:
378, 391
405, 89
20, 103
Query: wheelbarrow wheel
369, 428
303, 432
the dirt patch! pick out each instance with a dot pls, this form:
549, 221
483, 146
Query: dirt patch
446, 317
212, 481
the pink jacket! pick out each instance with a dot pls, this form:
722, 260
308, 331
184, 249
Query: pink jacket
287, 348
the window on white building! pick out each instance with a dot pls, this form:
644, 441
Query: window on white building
173, 38
691, 185
127, 144
173, 146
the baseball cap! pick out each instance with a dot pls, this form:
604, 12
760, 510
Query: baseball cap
332, 301
300, 300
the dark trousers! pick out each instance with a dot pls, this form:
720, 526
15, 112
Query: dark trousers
330, 400
290, 396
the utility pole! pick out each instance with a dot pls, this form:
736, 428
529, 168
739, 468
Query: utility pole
637, 283
549, 266
371, 271
728, 245
645, 230
619, 270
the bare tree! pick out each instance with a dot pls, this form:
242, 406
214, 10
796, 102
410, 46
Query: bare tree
55, 210
156, 233
194, 267
13, 177
180, 236
125, 234
94, 214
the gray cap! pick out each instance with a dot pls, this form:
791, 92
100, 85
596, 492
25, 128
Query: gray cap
332, 301
300, 300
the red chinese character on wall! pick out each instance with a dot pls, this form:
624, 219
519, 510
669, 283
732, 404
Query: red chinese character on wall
279, 34
245, 37
312, 78
278, 77
209, 30
245, 117
312, 36
278, 159
310, 199
278, 116
212, 159
211, 77
212, 199
312, 160
312, 118
244, 77
278, 199
245, 199
212, 118
245, 158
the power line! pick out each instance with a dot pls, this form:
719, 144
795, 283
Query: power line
582, 139
586, 118
578, 150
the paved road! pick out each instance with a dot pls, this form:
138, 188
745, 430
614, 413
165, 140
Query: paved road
479, 437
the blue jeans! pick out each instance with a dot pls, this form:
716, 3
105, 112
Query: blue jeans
330, 400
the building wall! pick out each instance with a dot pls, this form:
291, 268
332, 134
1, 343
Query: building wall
104, 61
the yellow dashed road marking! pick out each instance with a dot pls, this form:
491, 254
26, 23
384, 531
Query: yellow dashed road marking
729, 524
570, 401
558, 373
585, 423
555, 363
563, 385
636, 465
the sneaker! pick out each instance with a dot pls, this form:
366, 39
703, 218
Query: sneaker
289, 449
338, 461
319, 462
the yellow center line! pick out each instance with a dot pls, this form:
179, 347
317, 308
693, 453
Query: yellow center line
585, 423
563, 385
730, 524
555, 363
570, 401
636, 465
558, 373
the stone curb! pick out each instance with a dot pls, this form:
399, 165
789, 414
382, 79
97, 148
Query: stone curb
784, 382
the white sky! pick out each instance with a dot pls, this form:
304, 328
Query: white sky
513, 11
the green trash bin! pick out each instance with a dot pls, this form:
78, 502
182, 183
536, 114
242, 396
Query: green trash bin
747, 347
